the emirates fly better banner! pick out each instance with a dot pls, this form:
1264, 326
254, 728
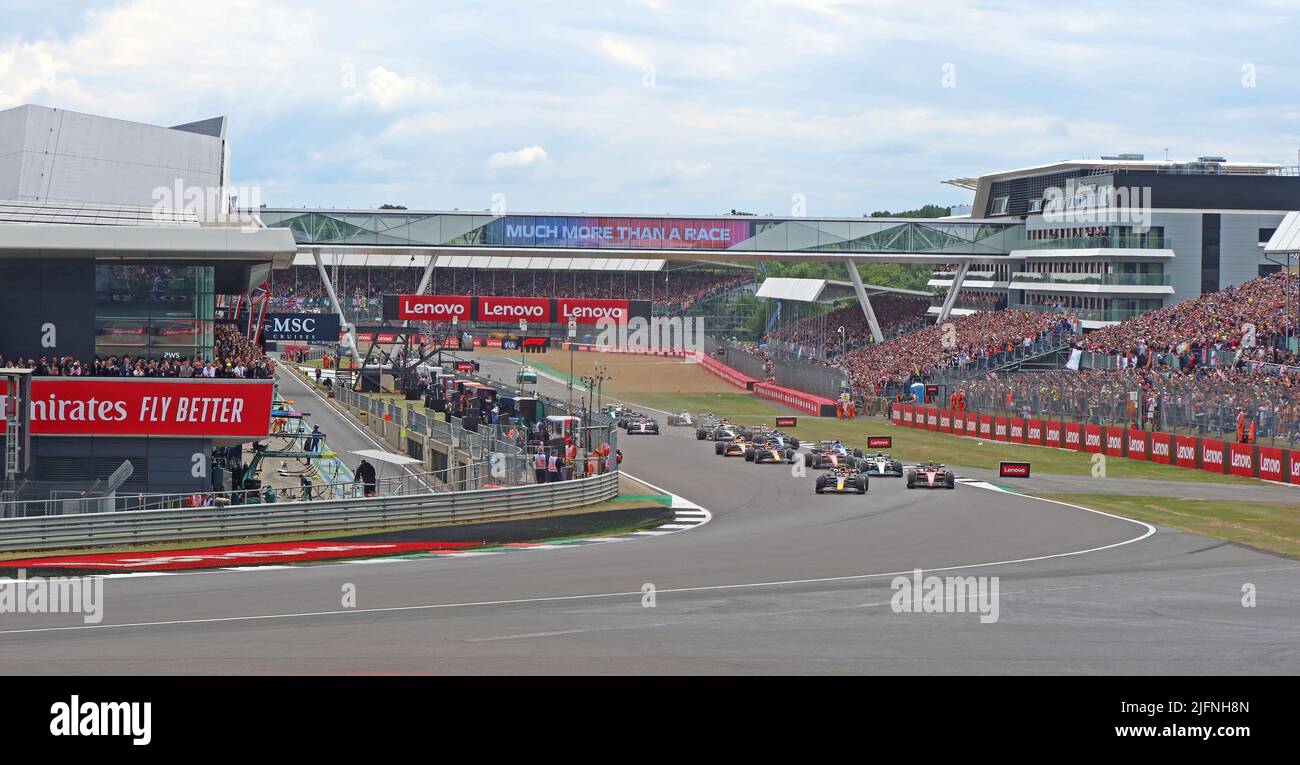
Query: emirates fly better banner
509, 310
106, 406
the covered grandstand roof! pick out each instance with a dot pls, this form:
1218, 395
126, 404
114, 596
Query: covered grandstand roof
822, 290
495, 262
1286, 240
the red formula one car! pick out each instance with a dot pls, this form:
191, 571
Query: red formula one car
930, 475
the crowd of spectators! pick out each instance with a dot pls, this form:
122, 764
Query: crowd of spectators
1206, 364
821, 333
1253, 318
234, 357
963, 342
299, 288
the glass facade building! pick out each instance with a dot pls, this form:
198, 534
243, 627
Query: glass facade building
160, 311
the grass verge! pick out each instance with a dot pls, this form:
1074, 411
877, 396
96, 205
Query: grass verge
1265, 526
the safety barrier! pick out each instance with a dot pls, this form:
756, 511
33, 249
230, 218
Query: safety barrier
1216, 455
143, 526
728, 374
804, 402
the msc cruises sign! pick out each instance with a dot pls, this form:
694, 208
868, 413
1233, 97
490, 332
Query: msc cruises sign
314, 327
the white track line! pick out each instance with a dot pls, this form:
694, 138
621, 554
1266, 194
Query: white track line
606, 595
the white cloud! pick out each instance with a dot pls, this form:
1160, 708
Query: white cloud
624, 53
388, 90
530, 155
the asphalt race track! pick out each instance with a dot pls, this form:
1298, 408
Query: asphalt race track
780, 581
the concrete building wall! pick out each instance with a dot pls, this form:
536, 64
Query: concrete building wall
62, 156
1240, 252
1184, 269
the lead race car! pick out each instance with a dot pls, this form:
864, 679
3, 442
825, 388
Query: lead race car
931, 475
842, 480
682, 418
881, 463
770, 451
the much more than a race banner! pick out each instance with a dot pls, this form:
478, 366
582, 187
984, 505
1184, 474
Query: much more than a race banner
107, 406
312, 327
509, 310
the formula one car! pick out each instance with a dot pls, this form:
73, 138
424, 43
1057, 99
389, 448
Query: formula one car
626, 416
764, 432
682, 418
882, 464
642, 425
770, 451
831, 454
842, 481
930, 475
736, 447
722, 432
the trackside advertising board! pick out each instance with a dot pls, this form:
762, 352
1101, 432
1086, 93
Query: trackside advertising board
1013, 469
106, 406
880, 442
502, 310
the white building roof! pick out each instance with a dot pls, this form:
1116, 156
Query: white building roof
1286, 239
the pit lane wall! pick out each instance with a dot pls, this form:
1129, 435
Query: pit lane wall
1216, 455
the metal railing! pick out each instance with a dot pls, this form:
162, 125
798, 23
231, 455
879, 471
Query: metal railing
1149, 242
142, 526
1109, 280
407, 484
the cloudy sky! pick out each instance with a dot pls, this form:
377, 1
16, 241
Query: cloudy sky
668, 106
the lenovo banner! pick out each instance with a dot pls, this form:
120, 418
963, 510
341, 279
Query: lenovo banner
1013, 469
907, 413
1073, 436
1214, 455
512, 309
1241, 460
931, 418
1034, 432
1272, 463
428, 307
945, 420
986, 426
312, 327
1000, 428
896, 413
1093, 439
787, 422
972, 424
1114, 444
1137, 444
592, 311
880, 442
106, 406
1018, 430
1052, 434
1162, 448
1186, 451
